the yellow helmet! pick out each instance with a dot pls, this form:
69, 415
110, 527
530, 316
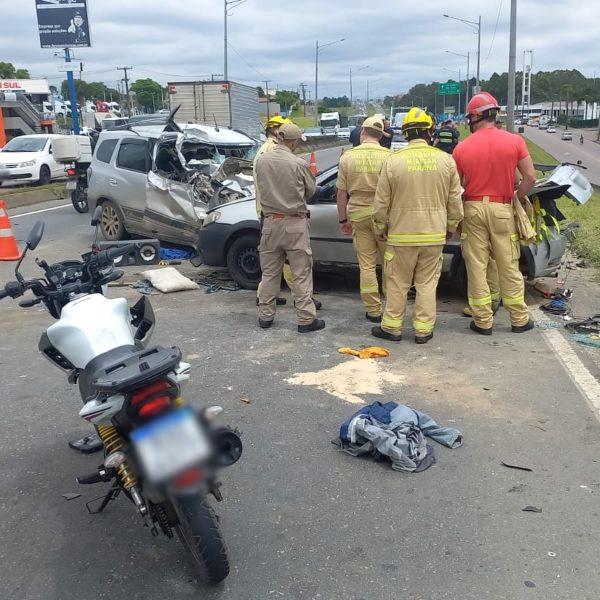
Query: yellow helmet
276, 121
417, 119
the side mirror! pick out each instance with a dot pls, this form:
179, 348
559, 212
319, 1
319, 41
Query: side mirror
579, 162
97, 216
35, 235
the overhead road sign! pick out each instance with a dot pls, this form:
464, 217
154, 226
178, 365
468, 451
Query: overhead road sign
449, 88
63, 23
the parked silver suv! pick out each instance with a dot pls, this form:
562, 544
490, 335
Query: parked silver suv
156, 180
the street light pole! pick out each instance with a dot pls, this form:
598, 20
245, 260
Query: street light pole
476, 24
317, 48
467, 56
361, 69
512, 61
226, 6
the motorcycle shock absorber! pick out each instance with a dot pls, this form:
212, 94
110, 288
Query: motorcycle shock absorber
113, 442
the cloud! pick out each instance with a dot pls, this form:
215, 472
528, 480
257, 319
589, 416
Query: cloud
183, 39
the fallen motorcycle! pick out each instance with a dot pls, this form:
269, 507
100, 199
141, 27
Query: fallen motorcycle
159, 452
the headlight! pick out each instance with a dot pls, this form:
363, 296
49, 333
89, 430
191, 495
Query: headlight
212, 217
29, 163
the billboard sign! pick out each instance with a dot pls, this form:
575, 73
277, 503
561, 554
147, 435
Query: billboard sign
449, 88
63, 23
27, 86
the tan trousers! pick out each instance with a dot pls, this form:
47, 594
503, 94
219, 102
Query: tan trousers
367, 249
287, 275
402, 266
280, 239
489, 227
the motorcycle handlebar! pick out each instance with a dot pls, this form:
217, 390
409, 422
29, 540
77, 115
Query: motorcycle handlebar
106, 257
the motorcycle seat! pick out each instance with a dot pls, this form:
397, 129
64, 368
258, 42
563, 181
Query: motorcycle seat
123, 369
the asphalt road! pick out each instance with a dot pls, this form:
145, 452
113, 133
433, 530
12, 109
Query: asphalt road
569, 151
303, 521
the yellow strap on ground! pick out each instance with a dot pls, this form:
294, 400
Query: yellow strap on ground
369, 352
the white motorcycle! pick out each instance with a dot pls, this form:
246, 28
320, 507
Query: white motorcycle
158, 451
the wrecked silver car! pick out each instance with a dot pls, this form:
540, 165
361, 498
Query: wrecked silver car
158, 180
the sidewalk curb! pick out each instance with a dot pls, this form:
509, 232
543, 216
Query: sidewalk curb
34, 196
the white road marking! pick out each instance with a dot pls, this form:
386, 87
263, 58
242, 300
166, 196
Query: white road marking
585, 382
36, 212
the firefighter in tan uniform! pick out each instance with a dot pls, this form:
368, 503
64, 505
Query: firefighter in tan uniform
417, 207
487, 161
286, 184
272, 129
357, 181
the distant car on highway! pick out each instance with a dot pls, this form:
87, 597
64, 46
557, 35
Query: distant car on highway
551, 129
543, 126
398, 140
343, 133
313, 132
29, 159
566, 135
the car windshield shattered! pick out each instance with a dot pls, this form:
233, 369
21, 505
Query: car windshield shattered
190, 171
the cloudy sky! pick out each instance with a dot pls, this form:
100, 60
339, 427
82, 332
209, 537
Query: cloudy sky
402, 42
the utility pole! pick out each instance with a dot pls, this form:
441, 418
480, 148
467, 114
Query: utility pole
126, 78
226, 6
303, 86
212, 77
512, 62
72, 94
267, 81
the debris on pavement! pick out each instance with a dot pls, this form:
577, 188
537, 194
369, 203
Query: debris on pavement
143, 286
70, 496
245, 400
533, 509
168, 280
586, 326
529, 584
171, 254
397, 432
349, 380
591, 340
368, 352
516, 467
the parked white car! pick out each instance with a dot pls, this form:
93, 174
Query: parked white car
343, 133
29, 159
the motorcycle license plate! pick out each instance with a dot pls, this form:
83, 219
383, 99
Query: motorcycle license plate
170, 445
71, 185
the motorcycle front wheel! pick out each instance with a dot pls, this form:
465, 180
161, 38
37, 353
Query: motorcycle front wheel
79, 200
200, 534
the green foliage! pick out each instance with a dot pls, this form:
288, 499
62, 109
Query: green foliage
148, 94
329, 104
95, 90
287, 99
546, 86
261, 92
8, 71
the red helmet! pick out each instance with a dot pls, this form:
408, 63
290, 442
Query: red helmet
481, 103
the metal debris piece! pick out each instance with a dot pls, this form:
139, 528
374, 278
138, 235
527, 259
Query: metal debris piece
516, 467
245, 400
70, 496
533, 509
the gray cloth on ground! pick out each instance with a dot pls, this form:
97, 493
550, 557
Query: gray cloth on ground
402, 440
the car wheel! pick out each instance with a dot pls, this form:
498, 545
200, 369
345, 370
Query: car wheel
243, 261
111, 222
44, 175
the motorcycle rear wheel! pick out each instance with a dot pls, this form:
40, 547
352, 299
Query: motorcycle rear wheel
79, 200
200, 533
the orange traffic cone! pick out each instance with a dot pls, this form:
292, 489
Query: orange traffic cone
8, 244
313, 163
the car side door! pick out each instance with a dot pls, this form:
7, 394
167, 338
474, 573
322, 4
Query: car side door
127, 182
328, 243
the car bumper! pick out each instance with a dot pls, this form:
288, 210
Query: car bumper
211, 244
17, 174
